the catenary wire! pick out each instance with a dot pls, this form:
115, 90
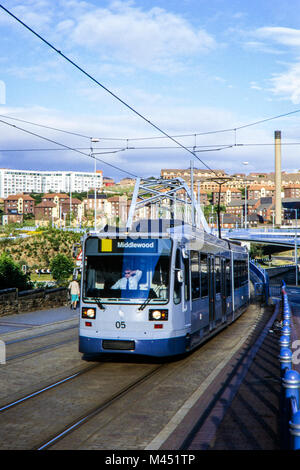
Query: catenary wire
128, 139
104, 87
165, 135
91, 155
206, 149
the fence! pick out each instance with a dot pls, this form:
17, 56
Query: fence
260, 280
275, 291
290, 383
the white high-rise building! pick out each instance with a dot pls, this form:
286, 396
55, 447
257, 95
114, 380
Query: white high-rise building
28, 181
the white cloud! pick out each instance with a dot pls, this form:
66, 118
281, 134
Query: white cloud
287, 84
278, 40
255, 86
154, 39
123, 33
280, 35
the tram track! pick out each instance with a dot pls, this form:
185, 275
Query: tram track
41, 335
44, 389
41, 349
16, 344
34, 414
96, 411
116, 404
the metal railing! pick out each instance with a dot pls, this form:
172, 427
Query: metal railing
290, 382
260, 279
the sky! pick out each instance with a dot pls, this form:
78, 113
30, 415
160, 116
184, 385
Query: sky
188, 68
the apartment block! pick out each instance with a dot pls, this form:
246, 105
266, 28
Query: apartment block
27, 181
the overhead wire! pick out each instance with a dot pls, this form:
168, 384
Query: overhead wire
104, 87
165, 134
91, 155
128, 139
206, 147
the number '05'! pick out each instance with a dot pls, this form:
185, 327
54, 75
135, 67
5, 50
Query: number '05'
120, 324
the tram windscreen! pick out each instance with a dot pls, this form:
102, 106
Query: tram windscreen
127, 270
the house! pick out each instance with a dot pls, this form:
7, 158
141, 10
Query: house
108, 181
89, 202
19, 204
292, 190
73, 205
46, 210
227, 195
256, 191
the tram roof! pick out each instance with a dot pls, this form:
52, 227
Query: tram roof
166, 228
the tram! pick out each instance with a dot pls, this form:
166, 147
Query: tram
159, 290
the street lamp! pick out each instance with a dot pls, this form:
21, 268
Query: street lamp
296, 240
94, 140
92, 154
245, 163
220, 181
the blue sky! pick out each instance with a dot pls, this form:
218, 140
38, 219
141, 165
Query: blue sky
189, 66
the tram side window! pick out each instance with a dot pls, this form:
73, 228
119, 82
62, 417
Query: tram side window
244, 274
195, 274
177, 284
217, 274
186, 278
240, 273
204, 275
228, 278
236, 269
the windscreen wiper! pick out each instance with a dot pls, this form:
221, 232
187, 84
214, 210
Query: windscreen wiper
145, 303
99, 303
151, 296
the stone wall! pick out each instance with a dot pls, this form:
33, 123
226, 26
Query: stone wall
12, 301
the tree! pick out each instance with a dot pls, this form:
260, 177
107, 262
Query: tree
61, 268
256, 250
211, 210
37, 197
11, 275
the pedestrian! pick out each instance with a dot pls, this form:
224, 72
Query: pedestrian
74, 292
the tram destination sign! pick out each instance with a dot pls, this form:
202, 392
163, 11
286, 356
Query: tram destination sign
128, 245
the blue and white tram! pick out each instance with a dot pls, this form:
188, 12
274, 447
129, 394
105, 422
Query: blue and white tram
158, 294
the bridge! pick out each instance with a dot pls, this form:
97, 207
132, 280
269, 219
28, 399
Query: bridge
276, 237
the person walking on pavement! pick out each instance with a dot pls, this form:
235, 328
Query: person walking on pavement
74, 292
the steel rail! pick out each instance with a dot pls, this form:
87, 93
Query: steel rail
76, 424
47, 333
44, 389
42, 348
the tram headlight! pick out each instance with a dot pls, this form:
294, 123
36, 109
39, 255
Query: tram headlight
155, 315
88, 312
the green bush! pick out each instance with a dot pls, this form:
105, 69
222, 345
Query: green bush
11, 275
61, 268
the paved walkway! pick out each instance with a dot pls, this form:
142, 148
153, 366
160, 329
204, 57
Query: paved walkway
28, 320
252, 419
240, 408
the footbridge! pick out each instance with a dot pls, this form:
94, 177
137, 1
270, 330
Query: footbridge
278, 237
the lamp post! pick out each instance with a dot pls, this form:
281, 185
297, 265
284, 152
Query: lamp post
92, 154
295, 240
245, 220
220, 181
70, 199
93, 140
296, 243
